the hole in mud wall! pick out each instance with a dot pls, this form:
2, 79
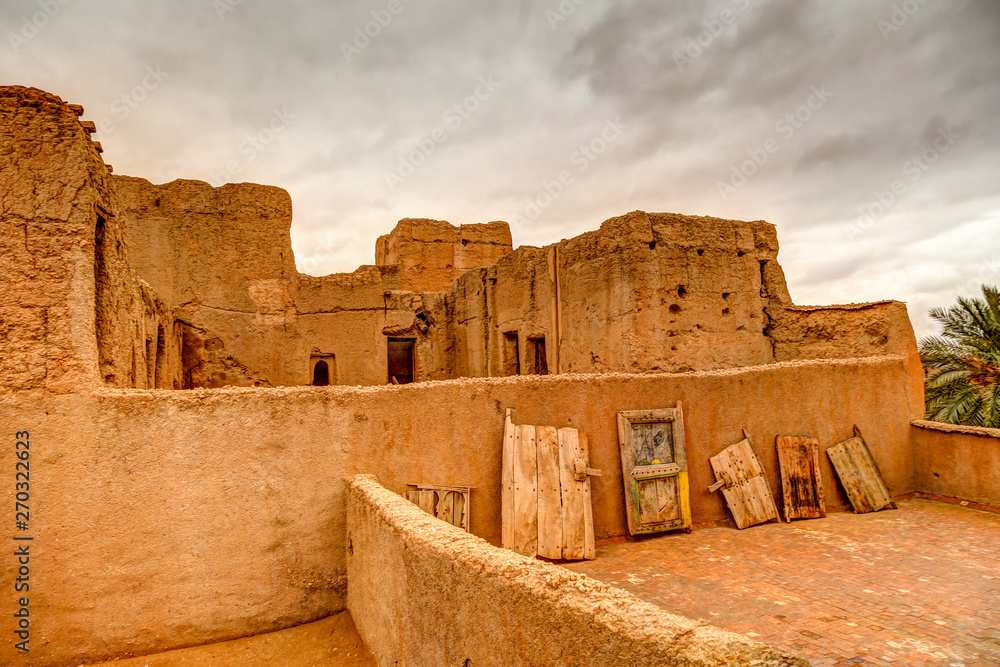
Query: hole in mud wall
681, 290
323, 370
537, 363
102, 298
400, 353
725, 295
700, 252
740, 253
674, 308
652, 245
511, 354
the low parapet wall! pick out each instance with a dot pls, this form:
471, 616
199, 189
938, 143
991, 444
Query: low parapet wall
957, 461
424, 593
163, 519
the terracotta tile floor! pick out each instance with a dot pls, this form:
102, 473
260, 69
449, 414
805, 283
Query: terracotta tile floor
915, 586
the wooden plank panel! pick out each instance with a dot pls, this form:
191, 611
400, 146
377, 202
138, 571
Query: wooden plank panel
574, 531
427, 500
413, 496
649, 503
628, 463
801, 482
589, 544
550, 535
668, 495
507, 485
859, 475
747, 492
525, 492
460, 517
446, 506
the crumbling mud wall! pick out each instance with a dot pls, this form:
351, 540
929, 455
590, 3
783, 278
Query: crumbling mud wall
502, 608
961, 462
223, 258
645, 292
171, 518
432, 253
72, 312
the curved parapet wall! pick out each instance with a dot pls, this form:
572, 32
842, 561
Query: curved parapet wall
959, 462
423, 593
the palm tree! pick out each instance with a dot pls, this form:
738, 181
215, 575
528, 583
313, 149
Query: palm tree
962, 385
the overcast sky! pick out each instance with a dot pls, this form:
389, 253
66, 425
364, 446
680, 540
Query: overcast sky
867, 131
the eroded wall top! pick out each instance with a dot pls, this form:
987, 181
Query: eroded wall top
432, 253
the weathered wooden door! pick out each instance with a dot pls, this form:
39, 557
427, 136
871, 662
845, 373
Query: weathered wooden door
654, 469
801, 482
859, 474
744, 486
546, 504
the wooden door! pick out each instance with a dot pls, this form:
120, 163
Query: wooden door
654, 470
546, 505
744, 485
801, 482
859, 475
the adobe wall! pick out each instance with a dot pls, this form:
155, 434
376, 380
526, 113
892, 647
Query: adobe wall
955, 461
223, 257
73, 315
432, 253
468, 602
229, 519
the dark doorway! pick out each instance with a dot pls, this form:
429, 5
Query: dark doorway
511, 354
400, 352
321, 374
539, 364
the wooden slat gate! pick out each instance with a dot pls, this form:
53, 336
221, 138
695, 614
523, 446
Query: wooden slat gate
546, 505
744, 485
859, 474
448, 503
654, 470
801, 483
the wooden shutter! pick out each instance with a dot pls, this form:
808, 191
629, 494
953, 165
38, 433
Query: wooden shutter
801, 482
546, 505
654, 470
859, 474
744, 485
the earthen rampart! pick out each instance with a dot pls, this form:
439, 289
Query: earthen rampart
501, 608
174, 518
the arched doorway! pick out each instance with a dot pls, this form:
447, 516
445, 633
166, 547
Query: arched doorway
321, 374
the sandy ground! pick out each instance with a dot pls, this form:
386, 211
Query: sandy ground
331, 641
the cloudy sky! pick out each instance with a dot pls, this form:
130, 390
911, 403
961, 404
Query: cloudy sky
868, 131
